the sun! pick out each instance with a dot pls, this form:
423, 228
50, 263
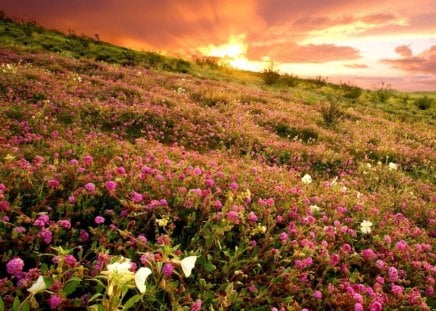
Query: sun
233, 53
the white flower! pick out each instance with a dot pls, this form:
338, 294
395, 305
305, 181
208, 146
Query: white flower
120, 271
365, 227
306, 179
393, 166
38, 286
314, 209
188, 264
140, 277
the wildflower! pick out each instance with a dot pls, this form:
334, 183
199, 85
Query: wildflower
9, 157
358, 307
90, 187
392, 166
314, 209
376, 306
55, 301
168, 269
99, 220
53, 183
234, 186
317, 295
140, 277
46, 235
118, 273
162, 222
38, 286
188, 264
233, 217
111, 185
71, 261
401, 245
136, 197
368, 254
196, 305
397, 290
15, 265
307, 179
64, 223
365, 227
252, 217
393, 274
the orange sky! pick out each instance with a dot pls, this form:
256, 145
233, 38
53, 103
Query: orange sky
350, 40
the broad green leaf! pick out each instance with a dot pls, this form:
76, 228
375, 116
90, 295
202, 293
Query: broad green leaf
25, 306
2, 305
16, 304
71, 287
131, 302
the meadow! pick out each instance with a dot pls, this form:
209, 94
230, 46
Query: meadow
163, 184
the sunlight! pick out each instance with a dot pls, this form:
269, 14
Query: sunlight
232, 53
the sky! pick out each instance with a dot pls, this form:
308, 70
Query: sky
363, 42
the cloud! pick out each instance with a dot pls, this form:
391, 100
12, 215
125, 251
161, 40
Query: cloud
424, 63
404, 50
290, 52
357, 66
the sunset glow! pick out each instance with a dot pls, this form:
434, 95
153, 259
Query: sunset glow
343, 40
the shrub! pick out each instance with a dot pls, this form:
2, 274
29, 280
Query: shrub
423, 103
331, 113
381, 92
351, 91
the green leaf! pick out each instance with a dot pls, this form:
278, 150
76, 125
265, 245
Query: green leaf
131, 302
16, 304
2, 305
95, 296
71, 287
25, 306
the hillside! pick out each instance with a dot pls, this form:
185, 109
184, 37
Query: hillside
156, 161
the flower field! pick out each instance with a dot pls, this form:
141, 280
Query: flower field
126, 187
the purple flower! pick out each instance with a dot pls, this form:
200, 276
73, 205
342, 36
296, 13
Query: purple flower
99, 220
358, 307
46, 235
397, 290
53, 183
90, 187
111, 185
168, 269
317, 295
233, 216
196, 306
55, 302
393, 274
252, 217
41, 221
136, 197
15, 265
401, 245
64, 223
71, 261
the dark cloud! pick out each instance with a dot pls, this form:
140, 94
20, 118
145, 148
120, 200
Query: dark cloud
424, 62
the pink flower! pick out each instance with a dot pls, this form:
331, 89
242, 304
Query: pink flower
233, 216
71, 261
136, 197
55, 301
64, 223
99, 220
376, 306
252, 217
393, 274
168, 269
46, 235
111, 185
53, 183
196, 305
317, 295
87, 159
401, 245
84, 236
234, 186
368, 254
397, 290
358, 307
41, 221
90, 187
15, 265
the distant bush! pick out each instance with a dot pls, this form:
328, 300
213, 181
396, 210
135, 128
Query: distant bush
351, 91
381, 92
289, 80
331, 113
423, 103
270, 76
307, 135
319, 81
211, 61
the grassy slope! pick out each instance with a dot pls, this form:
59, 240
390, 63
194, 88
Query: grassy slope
159, 125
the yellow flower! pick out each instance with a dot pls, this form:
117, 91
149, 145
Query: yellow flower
365, 227
9, 157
